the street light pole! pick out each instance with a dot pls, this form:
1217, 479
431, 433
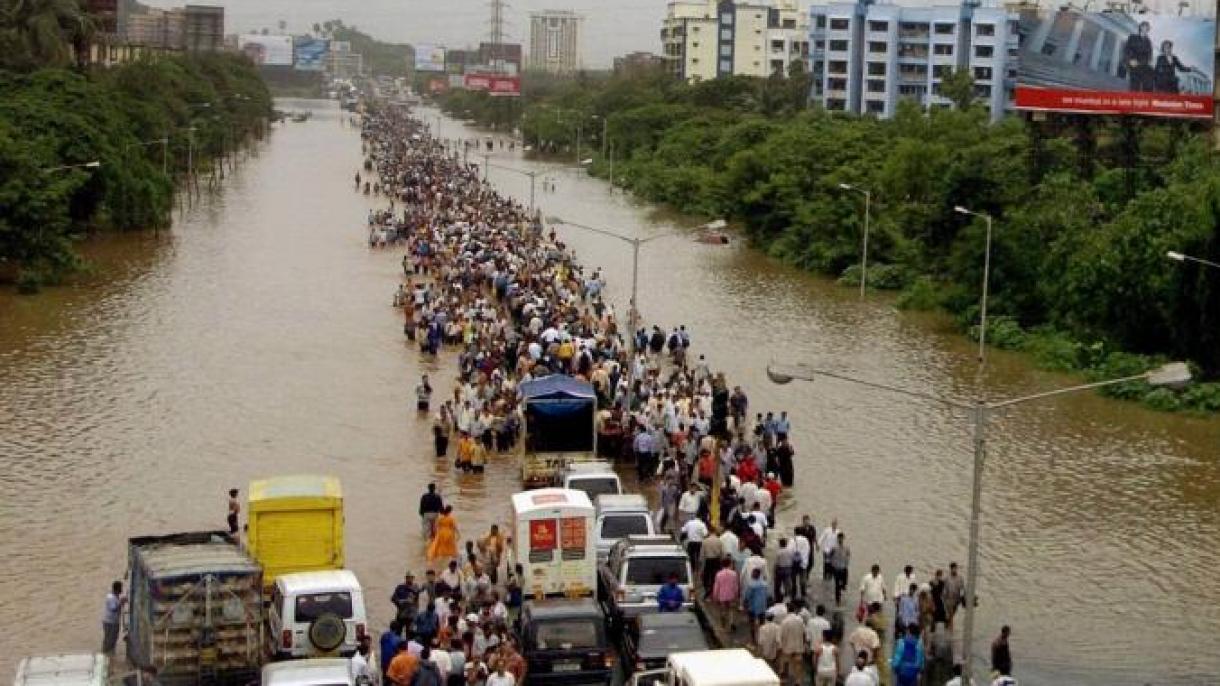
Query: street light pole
986, 280
1174, 374
1179, 257
868, 201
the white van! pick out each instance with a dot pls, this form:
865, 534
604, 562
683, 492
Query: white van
553, 542
730, 667
85, 669
323, 671
316, 614
594, 478
620, 516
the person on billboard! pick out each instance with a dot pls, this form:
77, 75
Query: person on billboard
1137, 55
1165, 74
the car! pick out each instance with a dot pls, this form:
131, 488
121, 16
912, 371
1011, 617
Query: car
565, 642
619, 516
650, 640
316, 614
594, 478
634, 572
320, 671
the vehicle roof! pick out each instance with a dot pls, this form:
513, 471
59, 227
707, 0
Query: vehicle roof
295, 486
325, 670
62, 670
663, 633
576, 607
549, 499
638, 545
732, 667
624, 502
180, 555
318, 582
596, 467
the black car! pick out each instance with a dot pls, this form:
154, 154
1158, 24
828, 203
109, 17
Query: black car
651, 638
565, 642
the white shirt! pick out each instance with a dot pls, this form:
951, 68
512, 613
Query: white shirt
829, 540
803, 550
815, 628
360, 667
729, 540
902, 585
508, 679
779, 610
689, 503
695, 530
860, 677
110, 612
873, 588
440, 658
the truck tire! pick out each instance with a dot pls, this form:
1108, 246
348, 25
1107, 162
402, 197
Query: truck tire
327, 632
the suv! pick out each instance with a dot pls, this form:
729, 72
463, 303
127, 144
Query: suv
652, 638
316, 614
619, 516
594, 478
565, 641
324, 671
634, 572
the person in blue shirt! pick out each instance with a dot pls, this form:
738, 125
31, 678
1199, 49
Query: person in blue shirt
754, 600
390, 640
670, 597
908, 659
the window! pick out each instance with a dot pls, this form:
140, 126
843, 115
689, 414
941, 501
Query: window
876, 86
836, 104
596, 486
622, 526
880, 26
984, 29
777, 46
726, 18
790, 23
875, 106
694, 29
820, 21
839, 45
940, 71
836, 84
726, 66
654, 571
942, 49
819, 44
982, 91
726, 51
982, 73
837, 67
876, 68
566, 634
310, 607
983, 51
944, 29
694, 44
877, 46
726, 34
839, 24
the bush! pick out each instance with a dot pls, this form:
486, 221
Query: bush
1004, 333
923, 294
1053, 350
1204, 397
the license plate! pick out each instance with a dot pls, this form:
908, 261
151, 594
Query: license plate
566, 667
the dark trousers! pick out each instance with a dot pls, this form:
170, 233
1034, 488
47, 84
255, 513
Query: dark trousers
840, 585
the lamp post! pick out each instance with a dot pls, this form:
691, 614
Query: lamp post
531, 174
868, 201
633, 311
64, 167
1172, 374
986, 279
1179, 257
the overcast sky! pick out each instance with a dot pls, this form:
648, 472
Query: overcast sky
612, 27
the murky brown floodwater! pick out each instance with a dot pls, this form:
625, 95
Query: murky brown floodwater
257, 338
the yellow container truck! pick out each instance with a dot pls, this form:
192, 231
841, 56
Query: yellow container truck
295, 525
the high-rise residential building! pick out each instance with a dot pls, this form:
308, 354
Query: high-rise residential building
555, 41
866, 57
705, 39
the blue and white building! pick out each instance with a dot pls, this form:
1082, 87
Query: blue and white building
866, 57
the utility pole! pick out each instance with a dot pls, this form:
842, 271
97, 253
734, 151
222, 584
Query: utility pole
495, 34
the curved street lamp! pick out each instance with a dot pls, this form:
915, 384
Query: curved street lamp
1173, 375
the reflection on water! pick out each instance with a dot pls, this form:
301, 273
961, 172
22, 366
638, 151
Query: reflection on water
257, 338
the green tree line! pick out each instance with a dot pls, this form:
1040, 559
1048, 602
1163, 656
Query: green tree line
1084, 210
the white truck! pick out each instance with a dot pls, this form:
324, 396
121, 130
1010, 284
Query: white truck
730, 667
553, 543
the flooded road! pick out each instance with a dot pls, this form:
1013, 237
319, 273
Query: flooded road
257, 338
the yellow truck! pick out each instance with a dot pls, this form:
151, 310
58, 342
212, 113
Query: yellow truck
295, 525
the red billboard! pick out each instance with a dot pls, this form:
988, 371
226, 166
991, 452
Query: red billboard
495, 84
543, 535
1114, 62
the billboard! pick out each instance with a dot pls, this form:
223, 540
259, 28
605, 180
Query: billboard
309, 54
1114, 62
266, 50
494, 84
429, 58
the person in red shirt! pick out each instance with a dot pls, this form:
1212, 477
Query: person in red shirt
707, 468
747, 469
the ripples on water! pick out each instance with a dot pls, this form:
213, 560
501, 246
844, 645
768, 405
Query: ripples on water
256, 338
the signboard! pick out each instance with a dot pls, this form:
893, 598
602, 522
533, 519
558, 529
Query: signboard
543, 535
266, 50
572, 533
494, 84
1113, 62
309, 54
438, 85
429, 58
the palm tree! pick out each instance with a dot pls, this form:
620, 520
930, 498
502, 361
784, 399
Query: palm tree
43, 32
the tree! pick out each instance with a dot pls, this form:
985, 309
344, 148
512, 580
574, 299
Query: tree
958, 86
41, 33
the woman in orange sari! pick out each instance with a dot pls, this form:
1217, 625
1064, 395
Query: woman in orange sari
444, 545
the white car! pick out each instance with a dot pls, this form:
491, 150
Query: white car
619, 516
325, 671
316, 614
594, 478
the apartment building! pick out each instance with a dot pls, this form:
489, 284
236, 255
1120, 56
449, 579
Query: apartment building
706, 39
866, 58
555, 41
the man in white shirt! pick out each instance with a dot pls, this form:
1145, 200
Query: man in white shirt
501, 677
816, 626
688, 505
872, 587
693, 532
364, 664
828, 541
861, 674
803, 550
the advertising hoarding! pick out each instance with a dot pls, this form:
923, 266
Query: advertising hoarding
494, 84
266, 50
309, 54
1114, 62
429, 58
